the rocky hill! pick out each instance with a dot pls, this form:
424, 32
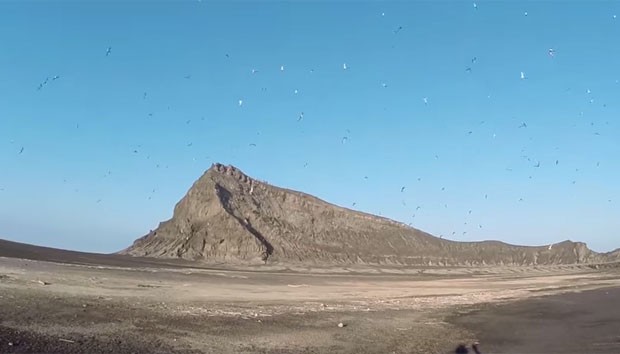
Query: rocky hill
227, 216
613, 255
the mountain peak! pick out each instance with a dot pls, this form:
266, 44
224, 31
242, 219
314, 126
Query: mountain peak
228, 216
229, 170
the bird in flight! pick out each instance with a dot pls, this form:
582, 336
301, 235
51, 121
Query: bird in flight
108, 51
301, 116
402, 189
523, 125
522, 75
21, 150
398, 29
344, 66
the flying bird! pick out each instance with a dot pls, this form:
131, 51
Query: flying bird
551, 52
398, 29
281, 67
344, 139
240, 103
108, 51
402, 189
344, 66
56, 77
523, 125
522, 75
537, 164
475, 6
425, 99
301, 116
21, 150
253, 144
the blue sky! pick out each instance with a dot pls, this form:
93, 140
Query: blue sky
113, 142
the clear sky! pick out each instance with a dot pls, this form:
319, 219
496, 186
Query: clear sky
500, 119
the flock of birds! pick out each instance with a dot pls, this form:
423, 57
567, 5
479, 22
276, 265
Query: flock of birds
535, 163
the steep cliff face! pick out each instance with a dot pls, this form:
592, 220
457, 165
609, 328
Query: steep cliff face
228, 216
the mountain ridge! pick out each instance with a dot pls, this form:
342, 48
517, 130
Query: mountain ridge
228, 216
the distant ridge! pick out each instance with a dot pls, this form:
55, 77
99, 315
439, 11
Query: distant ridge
227, 216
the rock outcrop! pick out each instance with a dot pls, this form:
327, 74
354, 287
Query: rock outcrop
228, 216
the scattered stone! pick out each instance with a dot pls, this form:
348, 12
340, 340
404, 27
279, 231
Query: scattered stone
341, 325
43, 282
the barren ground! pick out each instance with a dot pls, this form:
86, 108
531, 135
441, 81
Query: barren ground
127, 307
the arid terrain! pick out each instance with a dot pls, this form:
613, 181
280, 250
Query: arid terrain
120, 304
229, 217
246, 267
